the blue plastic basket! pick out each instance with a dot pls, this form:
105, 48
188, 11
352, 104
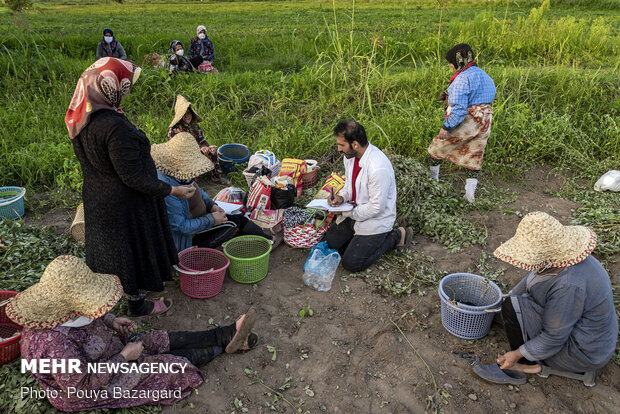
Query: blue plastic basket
468, 304
12, 202
230, 155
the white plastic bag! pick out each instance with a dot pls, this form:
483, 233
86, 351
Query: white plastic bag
320, 267
608, 181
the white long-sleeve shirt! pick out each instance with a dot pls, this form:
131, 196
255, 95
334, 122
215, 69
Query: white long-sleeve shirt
375, 193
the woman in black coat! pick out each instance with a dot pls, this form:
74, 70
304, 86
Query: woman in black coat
126, 224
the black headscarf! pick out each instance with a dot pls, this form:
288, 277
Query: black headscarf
460, 56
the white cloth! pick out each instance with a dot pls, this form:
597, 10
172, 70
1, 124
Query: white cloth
375, 193
77, 322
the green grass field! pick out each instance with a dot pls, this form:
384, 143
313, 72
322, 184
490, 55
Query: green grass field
289, 70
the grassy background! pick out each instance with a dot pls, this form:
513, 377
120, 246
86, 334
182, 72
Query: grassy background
289, 70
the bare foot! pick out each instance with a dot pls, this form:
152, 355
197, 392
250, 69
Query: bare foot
403, 233
527, 369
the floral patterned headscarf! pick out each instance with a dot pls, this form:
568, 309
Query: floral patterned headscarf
460, 56
102, 86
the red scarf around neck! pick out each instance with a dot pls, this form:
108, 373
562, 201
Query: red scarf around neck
469, 65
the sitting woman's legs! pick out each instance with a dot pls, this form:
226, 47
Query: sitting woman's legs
513, 328
200, 347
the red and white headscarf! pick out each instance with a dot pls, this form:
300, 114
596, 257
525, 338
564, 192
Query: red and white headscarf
102, 86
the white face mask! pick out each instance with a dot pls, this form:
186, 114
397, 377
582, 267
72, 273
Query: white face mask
179, 52
201, 36
108, 39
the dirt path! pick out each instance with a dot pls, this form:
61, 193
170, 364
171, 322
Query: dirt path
350, 358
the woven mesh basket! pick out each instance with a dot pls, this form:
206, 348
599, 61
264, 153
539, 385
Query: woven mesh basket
249, 258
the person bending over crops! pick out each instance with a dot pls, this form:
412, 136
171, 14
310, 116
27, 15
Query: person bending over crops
201, 52
177, 61
465, 131
65, 318
561, 314
198, 221
186, 120
127, 231
363, 234
110, 47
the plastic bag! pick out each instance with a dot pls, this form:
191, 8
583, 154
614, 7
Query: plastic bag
320, 267
231, 195
608, 181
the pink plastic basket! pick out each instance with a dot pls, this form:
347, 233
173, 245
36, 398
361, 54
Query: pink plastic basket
9, 348
202, 271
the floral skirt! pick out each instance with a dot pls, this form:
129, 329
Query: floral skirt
466, 143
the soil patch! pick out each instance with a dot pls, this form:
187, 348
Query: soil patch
350, 358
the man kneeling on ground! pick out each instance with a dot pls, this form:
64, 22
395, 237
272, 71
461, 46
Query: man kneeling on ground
363, 234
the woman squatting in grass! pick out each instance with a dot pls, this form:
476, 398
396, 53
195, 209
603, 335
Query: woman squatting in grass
464, 134
65, 318
110, 47
186, 120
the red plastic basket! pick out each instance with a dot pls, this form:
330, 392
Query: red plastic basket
202, 271
9, 349
310, 179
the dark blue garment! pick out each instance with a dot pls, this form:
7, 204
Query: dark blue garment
471, 87
568, 320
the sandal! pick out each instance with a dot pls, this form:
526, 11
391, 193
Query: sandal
247, 322
494, 374
408, 237
250, 342
159, 307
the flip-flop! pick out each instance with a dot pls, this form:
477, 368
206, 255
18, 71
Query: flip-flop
494, 374
408, 237
247, 322
159, 307
249, 343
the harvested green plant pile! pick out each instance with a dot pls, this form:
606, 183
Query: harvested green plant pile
28, 250
601, 212
435, 209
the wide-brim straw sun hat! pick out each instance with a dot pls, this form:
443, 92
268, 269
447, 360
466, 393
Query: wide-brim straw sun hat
542, 241
180, 108
181, 157
67, 289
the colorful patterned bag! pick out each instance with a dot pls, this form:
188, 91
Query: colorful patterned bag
267, 219
306, 234
294, 168
259, 196
335, 181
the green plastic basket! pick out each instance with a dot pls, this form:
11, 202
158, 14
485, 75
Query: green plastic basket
249, 258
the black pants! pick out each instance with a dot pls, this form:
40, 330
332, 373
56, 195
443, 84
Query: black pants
219, 235
359, 252
513, 328
201, 347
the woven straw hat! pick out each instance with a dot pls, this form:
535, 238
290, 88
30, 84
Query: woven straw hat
180, 108
181, 157
67, 289
541, 241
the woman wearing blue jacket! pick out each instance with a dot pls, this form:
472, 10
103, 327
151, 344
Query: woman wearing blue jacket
197, 221
465, 131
